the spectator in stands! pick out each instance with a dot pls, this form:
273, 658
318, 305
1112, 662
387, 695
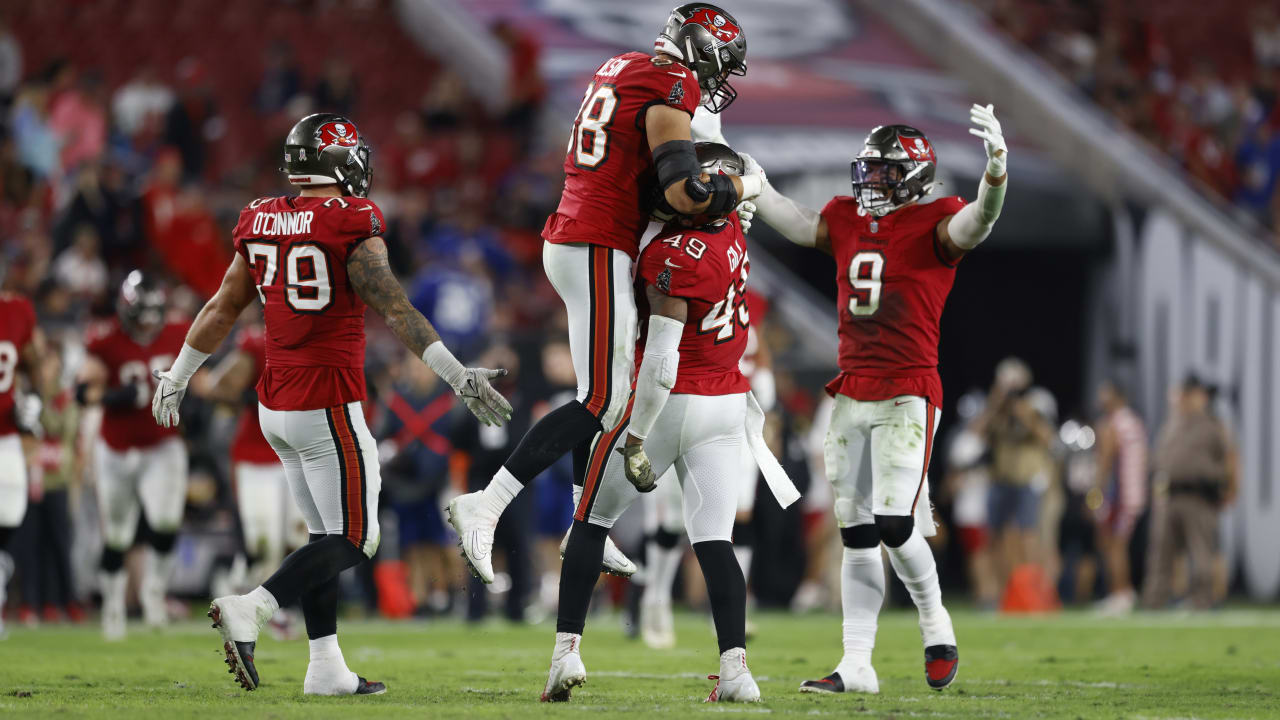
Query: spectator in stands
35, 141
10, 66
336, 90
1121, 479
139, 106
80, 268
281, 80
77, 115
193, 118
1021, 467
526, 89
1196, 477
446, 105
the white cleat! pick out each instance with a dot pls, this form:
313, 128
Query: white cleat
475, 523
239, 619
857, 679
567, 671
657, 625
734, 683
113, 610
614, 563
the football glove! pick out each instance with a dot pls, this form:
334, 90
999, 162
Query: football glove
753, 177
992, 138
26, 413
486, 403
746, 212
169, 393
638, 469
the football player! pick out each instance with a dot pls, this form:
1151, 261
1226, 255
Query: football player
895, 260
315, 260
692, 410
139, 467
21, 352
631, 132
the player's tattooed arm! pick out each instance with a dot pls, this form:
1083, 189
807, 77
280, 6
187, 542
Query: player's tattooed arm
372, 279
218, 316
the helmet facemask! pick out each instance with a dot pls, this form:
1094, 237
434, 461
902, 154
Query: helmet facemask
896, 168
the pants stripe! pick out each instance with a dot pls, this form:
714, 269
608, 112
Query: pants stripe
352, 475
928, 450
599, 461
601, 343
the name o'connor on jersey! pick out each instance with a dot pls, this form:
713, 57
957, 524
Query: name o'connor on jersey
282, 223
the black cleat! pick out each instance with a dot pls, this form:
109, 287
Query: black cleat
370, 688
239, 655
829, 684
940, 665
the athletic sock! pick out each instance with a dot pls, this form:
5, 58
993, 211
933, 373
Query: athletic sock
320, 606
861, 595
914, 564
501, 490
311, 565
664, 553
558, 432
327, 670
726, 591
578, 575
263, 598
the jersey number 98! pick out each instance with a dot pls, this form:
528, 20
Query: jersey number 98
589, 142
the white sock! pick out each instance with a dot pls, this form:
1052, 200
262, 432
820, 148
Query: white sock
914, 564
264, 600
501, 490
160, 568
744, 559
663, 564
861, 595
566, 643
327, 671
325, 649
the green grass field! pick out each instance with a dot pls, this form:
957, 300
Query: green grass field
1225, 665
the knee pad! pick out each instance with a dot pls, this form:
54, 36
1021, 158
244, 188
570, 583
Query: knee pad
163, 542
895, 529
112, 560
860, 536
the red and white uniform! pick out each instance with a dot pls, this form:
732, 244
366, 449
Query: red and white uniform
702, 429
141, 467
269, 517
17, 328
312, 385
893, 282
594, 236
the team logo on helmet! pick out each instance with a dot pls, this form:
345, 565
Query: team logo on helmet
715, 23
917, 148
336, 133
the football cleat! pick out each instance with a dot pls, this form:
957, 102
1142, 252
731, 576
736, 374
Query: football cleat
940, 665
734, 683
237, 618
370, 688
657, 625
861, 680
567, 671
475, 522
614, 563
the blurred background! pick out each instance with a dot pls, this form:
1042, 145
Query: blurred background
1121, 325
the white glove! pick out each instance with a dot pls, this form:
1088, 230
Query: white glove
638, 469
471, 384
753, 177
26, 413
169, 392
746, 212
989, 130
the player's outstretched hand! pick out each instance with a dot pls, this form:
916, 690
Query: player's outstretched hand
751, 168
746, 213
486, 403
988, 128
638, 469
26, 413
164, 404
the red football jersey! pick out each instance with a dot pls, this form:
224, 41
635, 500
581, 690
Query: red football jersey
609, 170
709, 269
130, 363
298, 248
893, 282
249, 445
17, 326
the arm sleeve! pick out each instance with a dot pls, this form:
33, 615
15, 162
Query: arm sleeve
657, 374
796, 222
972, 223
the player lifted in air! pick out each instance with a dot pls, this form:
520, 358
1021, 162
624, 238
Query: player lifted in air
693, 411
139, 467
895, 263
315, 260
21, 353
631, 134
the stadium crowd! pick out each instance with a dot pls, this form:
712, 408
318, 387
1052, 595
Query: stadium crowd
1210, 100
99, 177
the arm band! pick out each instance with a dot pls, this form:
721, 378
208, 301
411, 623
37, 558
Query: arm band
676, 160
657, 373
724, 196
797, 223
973, 223
185, 365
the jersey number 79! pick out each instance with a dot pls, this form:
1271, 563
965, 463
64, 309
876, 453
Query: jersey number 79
307, 285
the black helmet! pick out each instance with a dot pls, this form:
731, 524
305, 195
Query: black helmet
141, 304
714, 159
712, 44
326, 149
896, 167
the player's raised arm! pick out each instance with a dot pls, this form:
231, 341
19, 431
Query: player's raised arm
685, 187
372, 279
801, 225
210, 328
654, 380
965, 230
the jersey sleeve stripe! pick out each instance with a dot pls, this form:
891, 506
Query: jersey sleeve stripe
598, 464
928, 450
